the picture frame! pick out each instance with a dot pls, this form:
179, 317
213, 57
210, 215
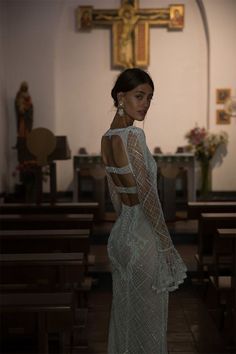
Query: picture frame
176, 17
222, 95
222, 117
84, 18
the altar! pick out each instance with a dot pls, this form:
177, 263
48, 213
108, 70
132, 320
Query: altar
169, 166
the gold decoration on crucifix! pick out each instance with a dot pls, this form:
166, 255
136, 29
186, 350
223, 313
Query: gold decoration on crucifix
130, 28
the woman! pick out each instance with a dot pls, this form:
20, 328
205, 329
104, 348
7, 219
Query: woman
145, 264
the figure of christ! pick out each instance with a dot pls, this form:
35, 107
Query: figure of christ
129, 20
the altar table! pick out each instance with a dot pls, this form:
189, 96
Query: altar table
169, 166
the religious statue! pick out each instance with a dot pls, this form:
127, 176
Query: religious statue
24, 111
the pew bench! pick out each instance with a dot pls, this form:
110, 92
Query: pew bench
40, 241
195, 209
224, 245
47, 272
224, 285
44, 241
45, 221
54, 314
42, 271
208, 223
46, 208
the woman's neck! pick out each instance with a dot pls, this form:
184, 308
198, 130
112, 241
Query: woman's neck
121, 122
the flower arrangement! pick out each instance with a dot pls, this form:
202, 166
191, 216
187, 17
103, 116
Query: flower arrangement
205, 144
26, 170
27, 176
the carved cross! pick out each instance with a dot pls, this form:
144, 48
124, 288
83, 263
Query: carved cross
130, 28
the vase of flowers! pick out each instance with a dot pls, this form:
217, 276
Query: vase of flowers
27, 172
27, 176
204, 145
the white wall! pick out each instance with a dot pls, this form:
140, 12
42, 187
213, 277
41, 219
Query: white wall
3, 113
70, 76
222, 27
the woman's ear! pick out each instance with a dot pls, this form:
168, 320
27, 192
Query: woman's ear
120, 96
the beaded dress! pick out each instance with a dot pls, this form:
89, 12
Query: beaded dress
145, 264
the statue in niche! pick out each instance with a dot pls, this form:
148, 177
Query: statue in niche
24, 111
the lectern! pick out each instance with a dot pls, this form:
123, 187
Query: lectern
60, 152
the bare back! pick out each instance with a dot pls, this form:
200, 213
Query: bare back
114, 155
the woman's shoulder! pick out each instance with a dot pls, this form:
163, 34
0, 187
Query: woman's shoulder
126, 133
136, 131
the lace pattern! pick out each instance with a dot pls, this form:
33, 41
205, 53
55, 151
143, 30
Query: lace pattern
170, 269
118, 170
145, 264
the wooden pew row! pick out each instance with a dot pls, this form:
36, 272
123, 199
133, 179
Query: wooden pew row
46, 208
46, 221
54, 313
224, 285
195, 209
208, 223
224, 245
38, 273
42, 241
42, 271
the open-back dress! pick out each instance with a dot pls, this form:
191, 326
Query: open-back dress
145, 264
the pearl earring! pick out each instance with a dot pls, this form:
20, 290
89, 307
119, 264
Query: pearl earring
121, 111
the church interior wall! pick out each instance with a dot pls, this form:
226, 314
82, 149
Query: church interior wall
70, 76
222, 30
3, 112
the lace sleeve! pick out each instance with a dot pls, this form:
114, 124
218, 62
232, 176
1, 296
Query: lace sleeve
115, 198
170, 269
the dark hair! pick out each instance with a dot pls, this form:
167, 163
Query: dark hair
128, 80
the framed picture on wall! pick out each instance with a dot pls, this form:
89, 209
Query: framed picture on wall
222, 117
222, 95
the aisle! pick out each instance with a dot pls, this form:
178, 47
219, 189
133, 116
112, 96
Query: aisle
191, 328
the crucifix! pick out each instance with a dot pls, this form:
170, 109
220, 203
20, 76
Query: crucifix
130, 28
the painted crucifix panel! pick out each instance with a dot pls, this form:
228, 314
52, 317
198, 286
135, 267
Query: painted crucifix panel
130, 28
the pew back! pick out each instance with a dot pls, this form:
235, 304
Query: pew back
42, 241
41, 271
208, 223
45, 221
46, 208
195, 209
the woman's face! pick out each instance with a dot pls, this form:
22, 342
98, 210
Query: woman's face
137, 101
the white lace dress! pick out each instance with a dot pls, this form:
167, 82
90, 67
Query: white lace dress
145, 264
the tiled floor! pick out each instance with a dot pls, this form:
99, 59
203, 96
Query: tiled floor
192, 326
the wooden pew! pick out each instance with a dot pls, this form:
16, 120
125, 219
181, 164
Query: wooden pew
47, 272
42, 241
224, 285
208, 223
45, 221
224, 246
19, 275
42, 271
46, 208
54, 313
195, 209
